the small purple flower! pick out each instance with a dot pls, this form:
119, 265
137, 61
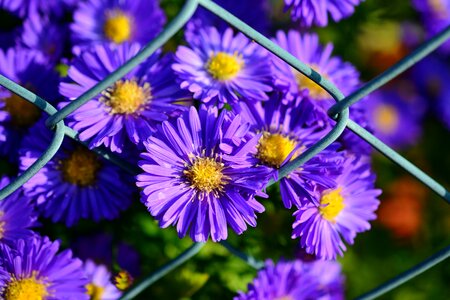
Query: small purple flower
116, 21
315, 12
296, 280
222, 68
436, 16
24, 8
198, 174
39, 33
16, 216
343, 75
75, 184
396, 116
129, 110
34, 270
16, 114
100, 286
286, 129
338, 214
257, 19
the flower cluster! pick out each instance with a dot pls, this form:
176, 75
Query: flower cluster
209, 124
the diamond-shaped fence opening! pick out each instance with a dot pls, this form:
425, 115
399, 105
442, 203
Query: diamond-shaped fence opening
339, 112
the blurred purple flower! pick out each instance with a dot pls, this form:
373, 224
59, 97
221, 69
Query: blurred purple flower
198, 174
75, 183
100, 286
24, 8
296, 280
16, 216
338, 214
116, 21
129, 110
315, 12
34, 270
221, 68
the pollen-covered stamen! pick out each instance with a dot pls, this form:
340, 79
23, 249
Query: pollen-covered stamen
274, 148
331, 204
304, 83
205, 174
117, 27
81, 167
126, 97
23, 113
123, 280
26, 289
94, 291
224, 66
386, 118
2, 225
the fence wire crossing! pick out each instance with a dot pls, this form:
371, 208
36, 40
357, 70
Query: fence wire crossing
339, 112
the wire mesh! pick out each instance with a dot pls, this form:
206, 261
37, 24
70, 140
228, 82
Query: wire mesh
339, 112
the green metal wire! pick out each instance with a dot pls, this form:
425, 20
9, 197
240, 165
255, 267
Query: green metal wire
340, 112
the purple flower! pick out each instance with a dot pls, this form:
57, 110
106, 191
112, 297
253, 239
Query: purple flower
222, 68
16, 114
315, 12
16, 216
396, 115
431, 76
258, 18
338, 214
296, 280
25, 8
128, 110
116, 21
286, 129
34, 270
75, 184
436, 16
197, 174
45, 36
100, 286
343, 75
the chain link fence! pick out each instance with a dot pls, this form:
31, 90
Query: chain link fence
339, 112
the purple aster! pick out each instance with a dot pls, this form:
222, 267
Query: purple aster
128, 110
116, 21
222, 67
343, 75
16, 216
435, 16
37, 271
431, 76
315, 12
198, 174
258, 18
45, 36
24, 8
75, 184
286, 129
100, 286
296, 280
338, 214
16, 114
396, 115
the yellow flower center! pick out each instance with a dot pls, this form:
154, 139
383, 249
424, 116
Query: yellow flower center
123, 280
117, 27
331, 204
81, 167
26, 289
22, 112
386, 118
95, 291
126, 97
223, 66
205, 174
274, 148
304, 83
